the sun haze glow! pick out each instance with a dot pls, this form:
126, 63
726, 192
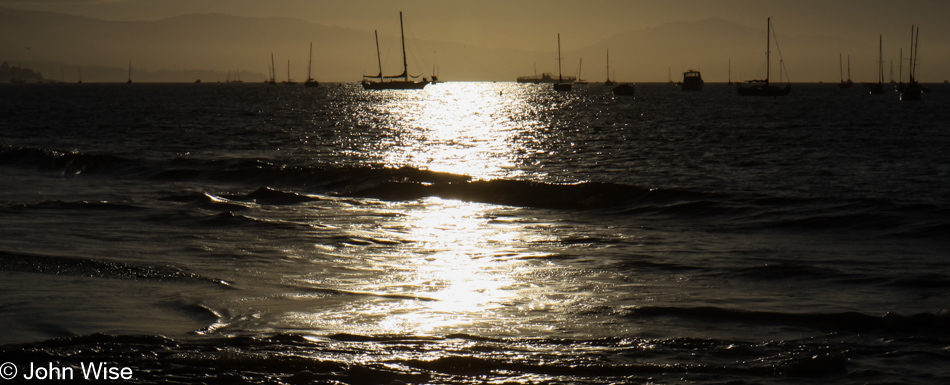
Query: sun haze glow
491, 40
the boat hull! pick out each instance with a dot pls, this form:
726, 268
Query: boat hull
398, 85
764, 90
563, 87
693, 85
911, 93
624, 90
544, 78
692, 81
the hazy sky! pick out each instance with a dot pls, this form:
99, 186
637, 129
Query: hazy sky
530, 24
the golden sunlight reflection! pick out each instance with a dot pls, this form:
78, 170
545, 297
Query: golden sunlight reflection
458, 267
459, 128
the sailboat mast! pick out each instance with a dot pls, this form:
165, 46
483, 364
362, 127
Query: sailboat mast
559, 79
273, 68
402, 34
378, 60
880, 58
768, 39
608, 63
913, 69
310, 63
840, 69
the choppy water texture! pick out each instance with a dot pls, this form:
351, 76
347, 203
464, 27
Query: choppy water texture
476, 233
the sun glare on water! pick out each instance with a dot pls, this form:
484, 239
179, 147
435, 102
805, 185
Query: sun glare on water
458, 269
458, 128
443, 266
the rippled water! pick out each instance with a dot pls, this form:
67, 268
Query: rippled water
475, 233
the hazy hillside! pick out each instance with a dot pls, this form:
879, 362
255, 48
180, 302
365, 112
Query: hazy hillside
208, 46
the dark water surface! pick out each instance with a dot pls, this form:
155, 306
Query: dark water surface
475, 233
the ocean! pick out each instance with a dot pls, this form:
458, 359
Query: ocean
473, 233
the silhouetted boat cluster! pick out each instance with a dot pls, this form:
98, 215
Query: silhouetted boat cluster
692, 79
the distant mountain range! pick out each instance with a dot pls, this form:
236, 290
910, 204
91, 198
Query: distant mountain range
209, 46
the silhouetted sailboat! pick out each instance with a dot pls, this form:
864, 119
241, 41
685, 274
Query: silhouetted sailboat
560, 85
273, 71
849, 83
730, 72
912, 90
762, 87
404, 84
878, 89
580, 73
608, 82
129, 82
289, 81
310, 82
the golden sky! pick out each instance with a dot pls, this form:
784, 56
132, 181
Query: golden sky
531, 25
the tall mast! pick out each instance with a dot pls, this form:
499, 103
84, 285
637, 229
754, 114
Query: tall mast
768, 38
559, 79
608, 63
916, 52
840, 70
911, 70
310, 63
405, 67
378, 60
273, 68
880, 59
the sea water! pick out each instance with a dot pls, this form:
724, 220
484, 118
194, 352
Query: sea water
474, 233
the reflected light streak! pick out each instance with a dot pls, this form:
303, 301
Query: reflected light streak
458, 128
457, 269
